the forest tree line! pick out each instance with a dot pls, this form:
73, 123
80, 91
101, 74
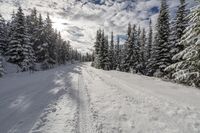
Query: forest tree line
170, 51
27, 40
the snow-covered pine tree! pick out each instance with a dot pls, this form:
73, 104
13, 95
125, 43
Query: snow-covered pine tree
187, 70
161, 50
181, 24
60, 50
40, 46
148, 48
111, 53
1, 67
142, 51
67, 52
173, 38
118, 54
33, 27
149, 41
101, 51
177, 28
125, 66
138, 51
3, 35
14, 50
131, 54
106, 60
97, 47
17, 39
64, 52
49, 44
28, 62
29, 55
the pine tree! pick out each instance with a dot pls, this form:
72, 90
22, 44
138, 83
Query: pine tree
106, 61
32, 22
125, 66
111, 53
48, 45
131, 55
178, 27
138, 51
187, 70
118, 54
142, 51
1, 67
150, 41
20, 50
181, 23
101, 60
161, 51
3, 35
97, 47
149, 49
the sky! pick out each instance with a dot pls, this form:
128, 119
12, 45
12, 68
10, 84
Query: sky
78, 20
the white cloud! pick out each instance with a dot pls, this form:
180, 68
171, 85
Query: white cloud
78, 21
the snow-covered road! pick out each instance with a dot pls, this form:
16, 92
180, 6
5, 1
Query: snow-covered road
81, 99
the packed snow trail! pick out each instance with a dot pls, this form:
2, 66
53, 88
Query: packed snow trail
81, 99
24, 96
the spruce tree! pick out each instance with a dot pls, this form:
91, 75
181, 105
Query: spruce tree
161, 51
3, 35
97, 47
118, 54
187, 70
1, 66
138, 51
178, 27
19, 48
149, 41
49, 44
181, 23
126, 50
149, 48
111, 53
106, 60
142, 51
32, 22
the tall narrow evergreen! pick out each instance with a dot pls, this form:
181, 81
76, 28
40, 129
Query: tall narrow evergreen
149, 41
19, 47
126, 51
181, 22
138, 51
161, 51
97, 47
1, 66
187, 70
102, 51
111, 53
142, 51
106, 61
49, 54
32, 27
3, 35
118, 54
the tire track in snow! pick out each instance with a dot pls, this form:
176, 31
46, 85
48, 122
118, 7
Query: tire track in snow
60, 115
85, 121
166, 115
141, 102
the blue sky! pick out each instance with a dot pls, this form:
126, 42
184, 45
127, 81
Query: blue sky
150, 8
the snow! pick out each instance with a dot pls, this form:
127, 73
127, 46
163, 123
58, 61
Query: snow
79, 98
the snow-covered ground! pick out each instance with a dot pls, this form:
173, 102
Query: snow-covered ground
80, 99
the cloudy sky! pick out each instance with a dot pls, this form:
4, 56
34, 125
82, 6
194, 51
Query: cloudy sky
78, 20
